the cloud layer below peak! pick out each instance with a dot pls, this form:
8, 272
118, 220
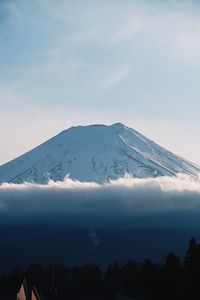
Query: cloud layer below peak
163, 202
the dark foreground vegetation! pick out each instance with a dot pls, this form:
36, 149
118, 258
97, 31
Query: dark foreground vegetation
173, 279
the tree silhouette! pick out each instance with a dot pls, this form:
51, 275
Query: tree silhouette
192, 245
144, 280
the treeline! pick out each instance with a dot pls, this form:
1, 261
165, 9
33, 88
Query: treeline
173, 279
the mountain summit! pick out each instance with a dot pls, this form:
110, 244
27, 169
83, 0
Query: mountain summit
95, 153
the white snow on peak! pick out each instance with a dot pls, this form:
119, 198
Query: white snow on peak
95, 153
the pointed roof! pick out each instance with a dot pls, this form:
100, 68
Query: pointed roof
23, 291
34, 294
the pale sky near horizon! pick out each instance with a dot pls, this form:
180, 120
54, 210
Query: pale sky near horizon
70, 62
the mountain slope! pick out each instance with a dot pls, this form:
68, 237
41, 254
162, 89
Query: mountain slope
95, 153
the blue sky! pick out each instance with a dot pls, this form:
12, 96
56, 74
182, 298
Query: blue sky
70, 62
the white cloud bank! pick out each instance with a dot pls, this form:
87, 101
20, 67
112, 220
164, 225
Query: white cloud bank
165, 202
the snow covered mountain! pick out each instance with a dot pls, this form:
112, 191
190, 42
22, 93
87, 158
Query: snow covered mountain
95, 153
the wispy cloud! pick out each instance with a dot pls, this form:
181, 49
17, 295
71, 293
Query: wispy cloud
171, 29
115, 76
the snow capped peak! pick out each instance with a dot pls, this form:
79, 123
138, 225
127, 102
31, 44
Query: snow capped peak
118, 126
95, 153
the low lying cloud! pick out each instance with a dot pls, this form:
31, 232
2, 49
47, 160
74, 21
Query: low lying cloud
164, 202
